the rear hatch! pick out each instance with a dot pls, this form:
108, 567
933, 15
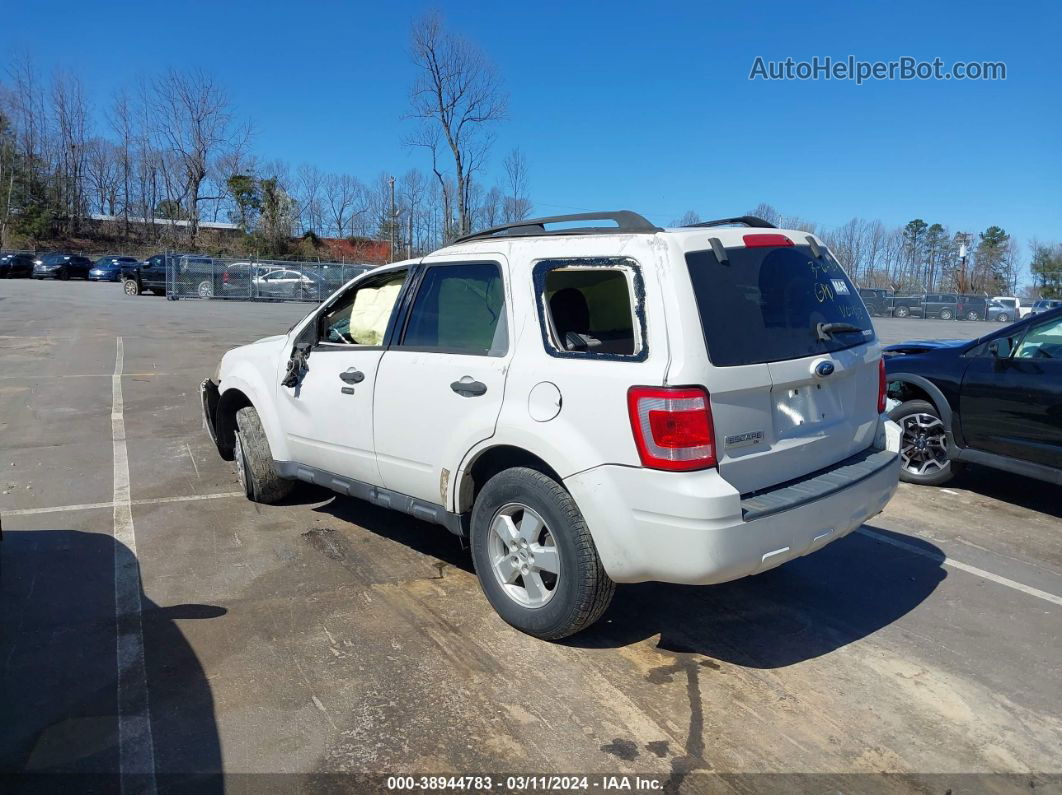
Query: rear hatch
793, 377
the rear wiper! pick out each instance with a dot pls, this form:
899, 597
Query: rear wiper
825, 331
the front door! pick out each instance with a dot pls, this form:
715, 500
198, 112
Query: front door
327, 416
439, 389
1011, 404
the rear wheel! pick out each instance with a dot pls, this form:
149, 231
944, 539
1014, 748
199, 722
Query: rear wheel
901, 311
946, 314
205, 289
1003, 317
254, 461
131, 287
972, 316
923, 444
64, 275
534, 556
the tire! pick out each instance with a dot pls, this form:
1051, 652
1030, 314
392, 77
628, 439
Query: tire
946, 314
923, 461
901, 311
205, 289
581, 590
972, 316
64, 275
131, 287
254, 461
1002, 317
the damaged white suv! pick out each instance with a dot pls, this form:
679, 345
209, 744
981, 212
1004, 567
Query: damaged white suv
589, 405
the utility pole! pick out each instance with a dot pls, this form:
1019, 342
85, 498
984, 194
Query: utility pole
394, 228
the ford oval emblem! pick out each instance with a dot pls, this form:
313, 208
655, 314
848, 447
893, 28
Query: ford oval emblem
823, 369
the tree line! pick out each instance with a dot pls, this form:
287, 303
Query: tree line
921, 256
171, 147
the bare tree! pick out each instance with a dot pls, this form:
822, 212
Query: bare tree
688, 218
309, 187
194, 125
517, 204
457, 93
344, 197
103, 173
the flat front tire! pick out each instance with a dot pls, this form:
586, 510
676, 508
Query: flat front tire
534, 556
254, 461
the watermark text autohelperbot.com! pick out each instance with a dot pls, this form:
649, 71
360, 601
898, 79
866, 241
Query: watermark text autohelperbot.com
851, 68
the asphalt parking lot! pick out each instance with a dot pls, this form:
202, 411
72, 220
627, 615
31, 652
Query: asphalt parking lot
329, 636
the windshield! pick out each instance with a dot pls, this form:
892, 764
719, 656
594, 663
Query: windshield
766, 304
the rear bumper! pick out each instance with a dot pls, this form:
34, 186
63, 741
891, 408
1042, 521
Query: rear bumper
695, 528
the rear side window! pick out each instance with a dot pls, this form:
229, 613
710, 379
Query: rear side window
766, 304
459, 309
591, 308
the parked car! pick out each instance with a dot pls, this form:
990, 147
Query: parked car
588, 405
16, 265
152, 273
973, 307
1045, 305
1014, 304
995, 401
906, 305
1000, 312
945, 306
109, 268
876, 300
61, 266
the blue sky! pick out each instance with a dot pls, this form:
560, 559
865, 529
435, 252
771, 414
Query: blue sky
633, 105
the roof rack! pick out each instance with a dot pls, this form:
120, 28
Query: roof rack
625, 220
747, 220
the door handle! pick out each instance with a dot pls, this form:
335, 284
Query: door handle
352, 376
468, 387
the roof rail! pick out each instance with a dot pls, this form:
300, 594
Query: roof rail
747, 220
626, 221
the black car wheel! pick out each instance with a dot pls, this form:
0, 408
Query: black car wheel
972, 316
901, 311
64, 275
946, 314
254, 461
1003, 317
131, 287
923, 444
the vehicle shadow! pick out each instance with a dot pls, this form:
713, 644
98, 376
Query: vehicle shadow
1025, 492
804, 609
59, 685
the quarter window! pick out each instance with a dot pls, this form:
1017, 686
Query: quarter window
459, 309
588, 308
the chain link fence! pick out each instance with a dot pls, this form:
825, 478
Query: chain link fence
191, 276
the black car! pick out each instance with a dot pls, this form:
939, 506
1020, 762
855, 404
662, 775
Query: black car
876, 300
109, 268
13, 266
945, 306
973, 307
149, 274
905, 305
61, 266
995, 401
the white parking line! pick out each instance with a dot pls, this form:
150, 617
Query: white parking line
955, 564
136, 747
88, 506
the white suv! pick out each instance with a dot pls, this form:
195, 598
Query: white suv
587, 404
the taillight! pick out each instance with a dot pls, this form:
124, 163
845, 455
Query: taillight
225, 277
766, 240
672, 427
881, 385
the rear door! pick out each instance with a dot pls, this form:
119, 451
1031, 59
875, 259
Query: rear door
440, 388
794, 376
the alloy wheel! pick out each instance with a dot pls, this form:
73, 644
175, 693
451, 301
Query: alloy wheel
523, 555
241, 468
923, 444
